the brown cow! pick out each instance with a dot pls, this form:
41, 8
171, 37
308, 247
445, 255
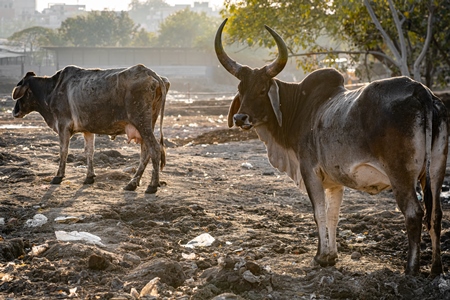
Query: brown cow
387, 135
99, 101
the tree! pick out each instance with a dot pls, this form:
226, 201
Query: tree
397, 42
186, 28
32, 38
104, 28
144, 39
139, 11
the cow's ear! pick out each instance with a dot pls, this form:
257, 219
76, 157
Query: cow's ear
234, 107
274, 97
19, 91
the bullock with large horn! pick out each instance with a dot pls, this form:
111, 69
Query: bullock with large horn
389, 134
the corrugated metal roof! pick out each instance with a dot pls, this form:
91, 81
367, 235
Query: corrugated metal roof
8, 54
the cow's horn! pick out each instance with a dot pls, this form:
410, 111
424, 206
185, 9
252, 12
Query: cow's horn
278, 64
229, 64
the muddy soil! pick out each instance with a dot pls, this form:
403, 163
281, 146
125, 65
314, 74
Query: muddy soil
220, 185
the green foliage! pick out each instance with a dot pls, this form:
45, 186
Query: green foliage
186, 28
302, 22
144, 39
32, 38
104, 28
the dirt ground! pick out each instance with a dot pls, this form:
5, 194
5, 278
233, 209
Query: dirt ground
219, 184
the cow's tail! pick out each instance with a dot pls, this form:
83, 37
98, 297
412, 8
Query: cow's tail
161, 114
427, 97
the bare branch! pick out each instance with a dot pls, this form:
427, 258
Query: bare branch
378, 53
397, 58
425, 45
401, 36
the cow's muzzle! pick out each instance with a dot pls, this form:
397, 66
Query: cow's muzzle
243, 121
17, 111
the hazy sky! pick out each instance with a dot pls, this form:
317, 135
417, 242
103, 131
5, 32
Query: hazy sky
114, 4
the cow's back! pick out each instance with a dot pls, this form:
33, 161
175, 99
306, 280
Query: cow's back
104, 100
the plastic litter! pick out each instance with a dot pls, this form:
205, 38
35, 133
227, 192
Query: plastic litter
38, 250
203, 240
78, 236
37, 221
247, 165
67, 219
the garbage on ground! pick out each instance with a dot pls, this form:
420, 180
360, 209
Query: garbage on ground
67, 219
203, 240
38, 250
37, 221
189, 256
151, 288
78, 236
247, 165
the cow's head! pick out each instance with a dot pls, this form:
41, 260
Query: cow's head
257, 98
22, 94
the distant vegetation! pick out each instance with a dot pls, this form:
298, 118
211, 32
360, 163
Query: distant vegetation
407, 37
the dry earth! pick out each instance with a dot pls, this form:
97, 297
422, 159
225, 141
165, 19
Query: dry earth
220, 183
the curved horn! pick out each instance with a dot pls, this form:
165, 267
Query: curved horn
229, 64
280, 62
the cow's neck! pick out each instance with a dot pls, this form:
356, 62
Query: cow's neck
41, 88
282, 143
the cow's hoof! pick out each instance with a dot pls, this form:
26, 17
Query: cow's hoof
325, 261
130, 186
436, 269
56, 180
412, 271
89, 180
151, 189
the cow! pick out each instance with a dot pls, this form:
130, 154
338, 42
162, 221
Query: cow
390, 134
99, 101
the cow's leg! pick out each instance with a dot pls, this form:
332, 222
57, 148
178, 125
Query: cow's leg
316, 195
155, 154
89, 141
64, 140
406, 197
437, 174
144, 158
334, 200
149, 149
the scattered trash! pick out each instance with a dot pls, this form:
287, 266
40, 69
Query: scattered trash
38, 250
37, 221
67, 219
188, 256
203, 240
151, 288
78, 236
247, 165
134, 293
2, 221
360, 237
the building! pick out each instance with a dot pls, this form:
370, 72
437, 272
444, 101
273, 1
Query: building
24, 10
55, 14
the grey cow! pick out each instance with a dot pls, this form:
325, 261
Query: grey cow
387, 135
99, 101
